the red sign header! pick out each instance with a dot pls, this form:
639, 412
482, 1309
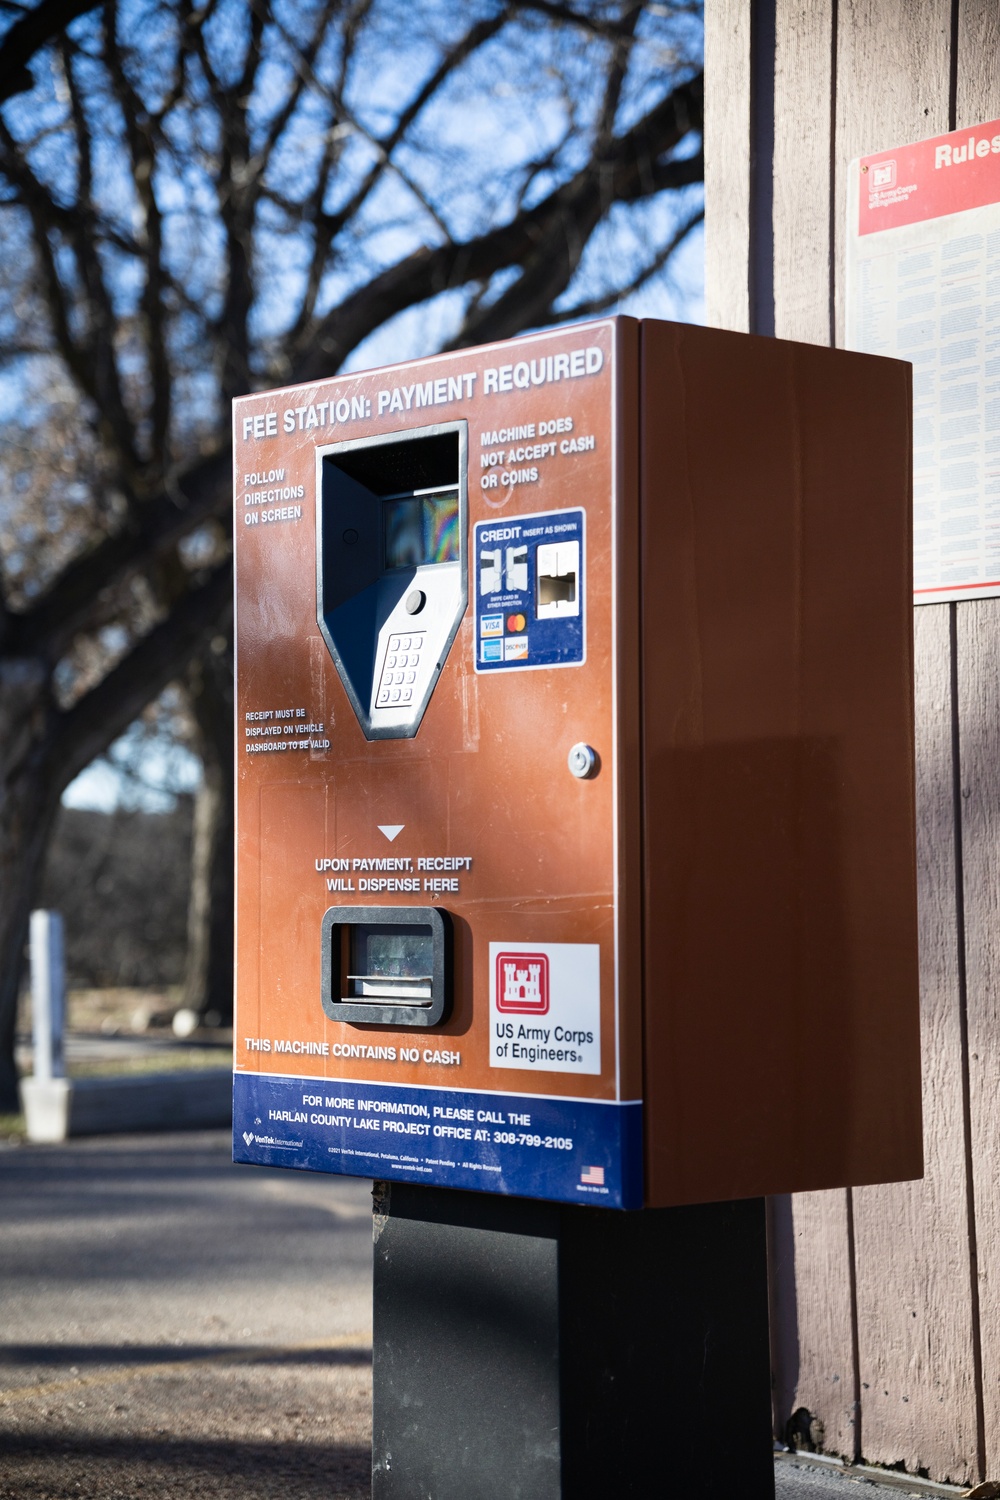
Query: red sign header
943, 175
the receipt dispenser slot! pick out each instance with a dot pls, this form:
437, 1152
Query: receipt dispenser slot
386, 965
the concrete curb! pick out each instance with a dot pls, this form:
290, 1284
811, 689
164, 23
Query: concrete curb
56, 1108
895, 1479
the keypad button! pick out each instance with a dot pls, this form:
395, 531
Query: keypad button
411, 676
390, 661
395, 695
383, 696
407, 695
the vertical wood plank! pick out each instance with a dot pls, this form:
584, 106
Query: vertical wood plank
802, 128
977, 93
978, 646
915, 1328
813, 1346
811, 1318
979, 719
915, 1331
727, 158
892, 86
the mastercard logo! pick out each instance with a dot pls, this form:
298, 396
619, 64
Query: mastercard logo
516, 623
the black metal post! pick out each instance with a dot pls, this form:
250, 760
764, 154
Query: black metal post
548, 1352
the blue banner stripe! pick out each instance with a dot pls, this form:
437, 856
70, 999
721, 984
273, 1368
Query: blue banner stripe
566, 1150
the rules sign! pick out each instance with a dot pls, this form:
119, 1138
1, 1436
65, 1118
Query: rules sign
923, 284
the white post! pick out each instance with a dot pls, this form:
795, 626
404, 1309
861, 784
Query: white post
48, 994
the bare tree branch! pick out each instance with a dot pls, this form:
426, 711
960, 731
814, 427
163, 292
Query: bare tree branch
38, 203
108, 709
35, 30
204, 490
305, 62
592, 306
532, 239
330, 226
542, 239
97, 349
153, 310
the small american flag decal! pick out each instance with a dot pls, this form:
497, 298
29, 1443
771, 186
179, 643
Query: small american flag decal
593, 1175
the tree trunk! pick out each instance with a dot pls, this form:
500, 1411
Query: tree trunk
28, 804
42, 747
208, 989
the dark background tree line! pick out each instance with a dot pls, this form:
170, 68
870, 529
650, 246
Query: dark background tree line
123, 877
197, 200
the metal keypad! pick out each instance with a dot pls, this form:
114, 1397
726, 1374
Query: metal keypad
399, 670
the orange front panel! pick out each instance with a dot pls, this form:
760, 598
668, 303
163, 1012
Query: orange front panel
483, 789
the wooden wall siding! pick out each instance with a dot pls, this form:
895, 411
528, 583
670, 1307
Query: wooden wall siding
727, 186
977, 645
803, 85
887, 1299
814, 1358
915, 1332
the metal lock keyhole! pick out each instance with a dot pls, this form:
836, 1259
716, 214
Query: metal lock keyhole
582, 761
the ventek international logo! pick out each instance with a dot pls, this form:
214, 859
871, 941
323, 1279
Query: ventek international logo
523, 984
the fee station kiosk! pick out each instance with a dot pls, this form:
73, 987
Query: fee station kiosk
575, 830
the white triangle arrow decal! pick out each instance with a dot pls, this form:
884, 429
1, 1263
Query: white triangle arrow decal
391, 830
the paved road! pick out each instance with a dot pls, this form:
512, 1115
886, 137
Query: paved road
174, 1326
795, 1480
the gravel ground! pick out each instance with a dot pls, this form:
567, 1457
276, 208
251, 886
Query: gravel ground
173, 1325
798, 1480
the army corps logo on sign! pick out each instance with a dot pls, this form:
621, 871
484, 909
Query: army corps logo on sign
522, 983
883, 176
545, 1007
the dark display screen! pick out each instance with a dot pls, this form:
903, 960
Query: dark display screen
419, 529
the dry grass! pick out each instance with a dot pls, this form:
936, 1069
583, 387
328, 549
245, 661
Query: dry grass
139, 1019
12, 1128
165, 1059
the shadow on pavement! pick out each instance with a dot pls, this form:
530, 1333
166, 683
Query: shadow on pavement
74, 1357
38, 1466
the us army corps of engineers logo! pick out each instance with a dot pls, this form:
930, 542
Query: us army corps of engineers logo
545, 1007
522, 984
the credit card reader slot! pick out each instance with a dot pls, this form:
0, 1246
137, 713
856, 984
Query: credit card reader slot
386, 965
